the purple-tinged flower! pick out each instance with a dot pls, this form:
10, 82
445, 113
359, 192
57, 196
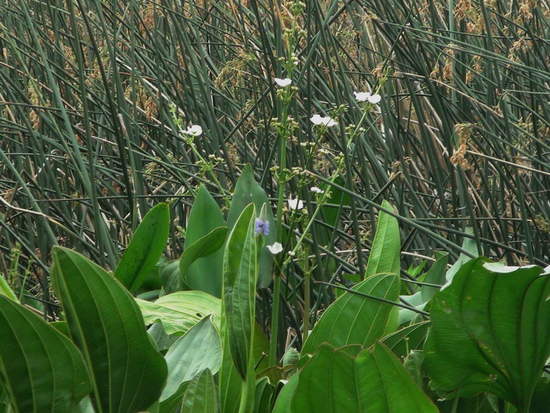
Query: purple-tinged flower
261, 227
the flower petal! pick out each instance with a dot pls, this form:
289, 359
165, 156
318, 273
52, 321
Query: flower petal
275, 248
283, 82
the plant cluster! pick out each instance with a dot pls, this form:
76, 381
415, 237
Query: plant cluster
257, 206
183, 336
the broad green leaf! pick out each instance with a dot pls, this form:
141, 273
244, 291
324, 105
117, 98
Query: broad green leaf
354, 318
199, 349
205, 273
541, 397
202, 247
161, 340
170, 277
62, 327
406, 339
435, 275
373, 381
201, 395
469, 245
490, 332
180, 311
386, 247
240, 274
6, 290
263, 394
107, 326
229, 379
41, 369
145, 249
247, 191
285, 396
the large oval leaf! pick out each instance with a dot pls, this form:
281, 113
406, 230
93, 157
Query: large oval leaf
205, 273
145, 248
42, 370
199, 349
201, 395
354, 318
180, 311
105, 322
490, 332
373, 381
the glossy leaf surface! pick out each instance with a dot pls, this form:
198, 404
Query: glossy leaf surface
373, 381
356, 319
197, 350
107, 326
180, 311
201, 395
203, 247
490, 332
145, 248
386, 247
41, 369
205, 273
240, 272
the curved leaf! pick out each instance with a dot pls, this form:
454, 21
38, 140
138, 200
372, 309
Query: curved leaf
197, 350
41, 369
145, 248
247, 191
286, 394
201, 395
107, 326
435, 275
6, 290
239, 289
490, 332
385, 253
264, 392
180, 311
411, 337
374, 381
205, 273
356, 319
202, 247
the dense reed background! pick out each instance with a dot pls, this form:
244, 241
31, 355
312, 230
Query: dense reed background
92, 94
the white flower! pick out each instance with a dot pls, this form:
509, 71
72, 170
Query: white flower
361, 96
295, 204
367, 96
374, 99
323, 120
283, 82
316, 190
275, 248
193, 130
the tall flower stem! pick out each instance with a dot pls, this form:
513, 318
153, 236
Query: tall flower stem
281, 183
324, 198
